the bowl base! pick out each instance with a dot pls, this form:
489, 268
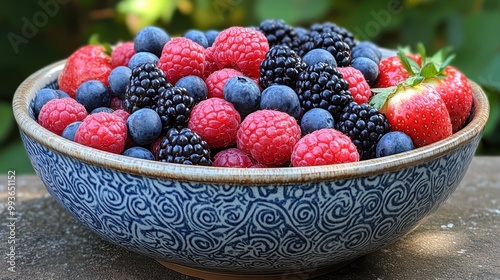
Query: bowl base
212, 275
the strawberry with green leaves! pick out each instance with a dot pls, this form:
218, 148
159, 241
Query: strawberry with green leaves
415, 106
452, 85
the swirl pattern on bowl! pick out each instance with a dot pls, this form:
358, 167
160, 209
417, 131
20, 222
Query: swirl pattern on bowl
273, 227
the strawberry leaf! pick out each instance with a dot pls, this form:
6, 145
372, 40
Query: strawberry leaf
421, 50
406, 62
429, 70
446, 63
95, 40
414, 80
381, 96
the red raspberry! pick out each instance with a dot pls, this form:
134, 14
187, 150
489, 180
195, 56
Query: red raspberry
103, 131
217, 80
182, 57
216, 121
56, 114
121, 54
210, 63
322, 147
268, 136
232, 157
87, 63
241, 48
122, 114
358, 86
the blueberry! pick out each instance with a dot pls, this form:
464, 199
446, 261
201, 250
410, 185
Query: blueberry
195, 87
394, 142
319, 55
118, 80
62, 94
144, 126
243, 93
70, 131
139, 152
141, 58
365, 52
45, 95
197, 36
151, 39
93, 94
372, 46
368, 67
281, 98
102, 109
316, 119
211, 35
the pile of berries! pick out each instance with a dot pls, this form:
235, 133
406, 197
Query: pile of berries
270, 96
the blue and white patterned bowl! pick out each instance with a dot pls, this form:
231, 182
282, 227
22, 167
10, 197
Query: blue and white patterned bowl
220, 223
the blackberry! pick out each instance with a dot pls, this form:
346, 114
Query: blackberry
365, 126
146, 84
330, 41
174, 106
332, 27
277, 32
185, 147
322, 86
280, 66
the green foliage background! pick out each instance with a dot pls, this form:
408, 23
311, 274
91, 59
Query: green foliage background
61, 26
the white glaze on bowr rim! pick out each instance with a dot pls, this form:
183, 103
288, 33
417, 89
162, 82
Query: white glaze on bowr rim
31, 85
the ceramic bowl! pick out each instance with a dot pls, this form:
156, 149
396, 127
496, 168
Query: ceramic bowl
223, 223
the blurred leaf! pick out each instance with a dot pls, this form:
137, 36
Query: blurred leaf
491, 131
142, 13
490, 76
14, 157
454, 33
481, 46
7, 120
291, 11
219, 13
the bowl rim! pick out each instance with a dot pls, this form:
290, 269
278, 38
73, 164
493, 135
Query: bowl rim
223, 175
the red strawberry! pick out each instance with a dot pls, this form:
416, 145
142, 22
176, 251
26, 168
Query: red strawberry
392, 71
456, 92
449, 82
416, 110
87, 63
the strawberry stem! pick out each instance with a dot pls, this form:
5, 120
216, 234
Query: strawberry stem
95, 40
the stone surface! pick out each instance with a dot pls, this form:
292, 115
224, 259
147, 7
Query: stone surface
460, 241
